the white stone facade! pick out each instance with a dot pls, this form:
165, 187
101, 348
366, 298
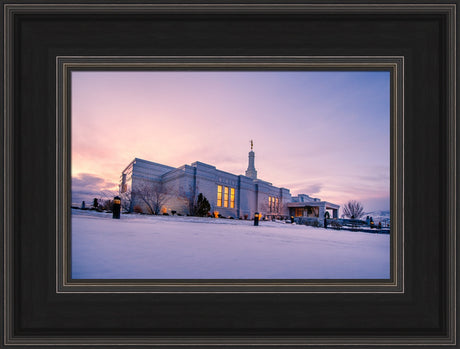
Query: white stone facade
229, 195
249, 195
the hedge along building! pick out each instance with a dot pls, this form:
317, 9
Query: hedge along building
175, 189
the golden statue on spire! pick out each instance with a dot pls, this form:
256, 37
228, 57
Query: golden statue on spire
251, 144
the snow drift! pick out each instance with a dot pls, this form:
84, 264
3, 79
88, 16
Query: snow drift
166, 247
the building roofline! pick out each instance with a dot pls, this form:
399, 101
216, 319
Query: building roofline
132, 161
154, 163
196, 163
313, 204
331, 204
148, 162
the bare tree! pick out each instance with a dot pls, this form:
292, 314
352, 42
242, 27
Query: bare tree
353, 209
107, 194
275, 209
154, 195
105, 199
263, 208
190, 198
127, 200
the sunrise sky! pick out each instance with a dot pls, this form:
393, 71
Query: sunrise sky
326, 134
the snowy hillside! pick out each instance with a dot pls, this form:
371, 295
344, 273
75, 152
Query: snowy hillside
166, 247
378, 216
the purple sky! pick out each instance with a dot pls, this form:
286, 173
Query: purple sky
326, 134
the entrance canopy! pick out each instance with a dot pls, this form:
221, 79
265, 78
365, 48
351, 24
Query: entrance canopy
312, 209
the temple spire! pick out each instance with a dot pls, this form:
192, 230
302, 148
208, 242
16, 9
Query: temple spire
251, 171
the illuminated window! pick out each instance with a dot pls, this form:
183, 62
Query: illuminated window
273, 204
232, 197
225, 196
219, 195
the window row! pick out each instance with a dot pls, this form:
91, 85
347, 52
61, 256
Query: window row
227, 200
273, 204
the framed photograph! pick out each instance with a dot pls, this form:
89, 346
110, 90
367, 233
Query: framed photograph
215, 174
200, 222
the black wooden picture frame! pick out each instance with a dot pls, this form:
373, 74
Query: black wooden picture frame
66, 65
40, 309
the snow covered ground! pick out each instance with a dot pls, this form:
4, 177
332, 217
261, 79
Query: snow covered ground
166, 247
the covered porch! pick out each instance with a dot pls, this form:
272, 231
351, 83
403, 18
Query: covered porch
314, 209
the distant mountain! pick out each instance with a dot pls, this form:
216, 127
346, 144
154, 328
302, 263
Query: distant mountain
378, 215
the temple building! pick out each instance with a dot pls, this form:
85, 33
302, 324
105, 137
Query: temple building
230, 195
